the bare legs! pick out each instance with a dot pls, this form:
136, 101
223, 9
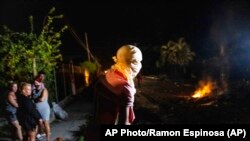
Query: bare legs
44, 127
31, 135
47, 129
18, 129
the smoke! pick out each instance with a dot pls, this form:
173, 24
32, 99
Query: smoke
230, 32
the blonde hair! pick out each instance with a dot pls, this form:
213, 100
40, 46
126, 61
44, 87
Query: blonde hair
24, 84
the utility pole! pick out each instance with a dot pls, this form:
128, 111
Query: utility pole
64, 80
87, 46
72, 77
54, 72
34, 67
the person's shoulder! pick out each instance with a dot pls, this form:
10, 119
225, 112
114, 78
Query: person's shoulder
11, 94
44, 90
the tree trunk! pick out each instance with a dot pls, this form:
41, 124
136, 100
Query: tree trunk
34, 67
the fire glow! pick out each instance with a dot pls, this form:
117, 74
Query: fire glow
86, 75
204, 90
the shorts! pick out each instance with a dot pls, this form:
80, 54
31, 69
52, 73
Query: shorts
11, 117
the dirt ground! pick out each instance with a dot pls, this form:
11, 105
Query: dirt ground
161, 101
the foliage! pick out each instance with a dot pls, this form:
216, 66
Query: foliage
91, 67
177, 53
23, 54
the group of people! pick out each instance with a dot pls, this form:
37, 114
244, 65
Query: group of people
27, 108
114, 97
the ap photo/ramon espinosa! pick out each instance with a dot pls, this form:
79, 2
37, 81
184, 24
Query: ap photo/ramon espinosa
184, 132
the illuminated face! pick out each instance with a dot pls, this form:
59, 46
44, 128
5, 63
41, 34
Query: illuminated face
26, 90
37, 85
42, 77
131, 57
14, 87
135, 67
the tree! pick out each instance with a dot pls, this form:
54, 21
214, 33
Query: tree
178, 53
23, 54
175, 53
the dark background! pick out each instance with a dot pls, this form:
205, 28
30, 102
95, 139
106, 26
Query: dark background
148, 24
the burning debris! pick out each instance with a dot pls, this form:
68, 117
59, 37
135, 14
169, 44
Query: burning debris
205, 89
208, 91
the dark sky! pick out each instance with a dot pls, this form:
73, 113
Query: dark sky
112, 23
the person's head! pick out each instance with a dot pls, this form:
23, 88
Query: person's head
40, 76
59, 139
13, 86
25, 89
128, 61
37, 85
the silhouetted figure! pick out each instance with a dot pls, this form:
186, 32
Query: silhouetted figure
11, 106
115, 89
27, 113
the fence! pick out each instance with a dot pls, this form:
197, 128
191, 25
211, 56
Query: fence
70, 80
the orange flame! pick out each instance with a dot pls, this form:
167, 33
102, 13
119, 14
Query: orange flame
205, 89
86, 74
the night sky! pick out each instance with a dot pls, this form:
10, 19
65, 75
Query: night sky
110, 24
